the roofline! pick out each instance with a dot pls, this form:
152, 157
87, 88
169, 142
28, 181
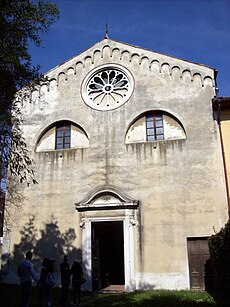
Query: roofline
147, 49
134, 46
69, 59
221, 103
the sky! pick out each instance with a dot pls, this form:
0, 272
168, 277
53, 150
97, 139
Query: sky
194, 30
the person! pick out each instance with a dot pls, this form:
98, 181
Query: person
65, 279
26, 274
46, 282
76, 272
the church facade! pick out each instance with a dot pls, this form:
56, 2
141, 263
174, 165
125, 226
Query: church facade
129, 168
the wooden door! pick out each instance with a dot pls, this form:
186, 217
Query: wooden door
198, 253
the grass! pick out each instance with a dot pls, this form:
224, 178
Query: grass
10, 297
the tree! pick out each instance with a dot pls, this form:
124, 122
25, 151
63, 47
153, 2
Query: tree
21, 22
218, 268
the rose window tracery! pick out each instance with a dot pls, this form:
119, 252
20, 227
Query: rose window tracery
108, 87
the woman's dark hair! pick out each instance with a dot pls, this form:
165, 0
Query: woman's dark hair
76, 265
29, 255
48, 264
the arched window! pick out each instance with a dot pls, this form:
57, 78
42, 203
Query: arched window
62, 135
154, 126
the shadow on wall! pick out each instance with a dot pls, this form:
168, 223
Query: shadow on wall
144, 285
48, 242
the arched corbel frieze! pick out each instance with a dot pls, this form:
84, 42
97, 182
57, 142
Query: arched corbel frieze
145, 61
175, 72
88, 60
125, 56
135, 58
106, 52
186, 75
116, 54
62, 77
97, 55
70, 72
155, 66
79, 67
197, 78
165, 69
208, 81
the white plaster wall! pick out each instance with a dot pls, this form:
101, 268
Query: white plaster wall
172, 129
78, 138
179, 183
137, 132
159, 281
47, 141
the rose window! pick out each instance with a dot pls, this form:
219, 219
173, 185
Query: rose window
108, 87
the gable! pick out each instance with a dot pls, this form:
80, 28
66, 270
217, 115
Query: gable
111, 50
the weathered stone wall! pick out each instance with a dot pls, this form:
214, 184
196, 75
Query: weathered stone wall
179, 183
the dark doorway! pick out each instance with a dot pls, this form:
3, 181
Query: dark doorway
198, 254
107, 254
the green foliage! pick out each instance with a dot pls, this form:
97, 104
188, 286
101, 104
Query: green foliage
21, 22
219, 263
158, 298
14, 155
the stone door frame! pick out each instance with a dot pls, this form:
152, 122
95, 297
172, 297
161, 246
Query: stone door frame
128, 224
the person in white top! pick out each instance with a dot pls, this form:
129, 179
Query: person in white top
26, 274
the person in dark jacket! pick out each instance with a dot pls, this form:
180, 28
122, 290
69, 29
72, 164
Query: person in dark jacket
76, 271
26, 274
45, 287
65, 279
